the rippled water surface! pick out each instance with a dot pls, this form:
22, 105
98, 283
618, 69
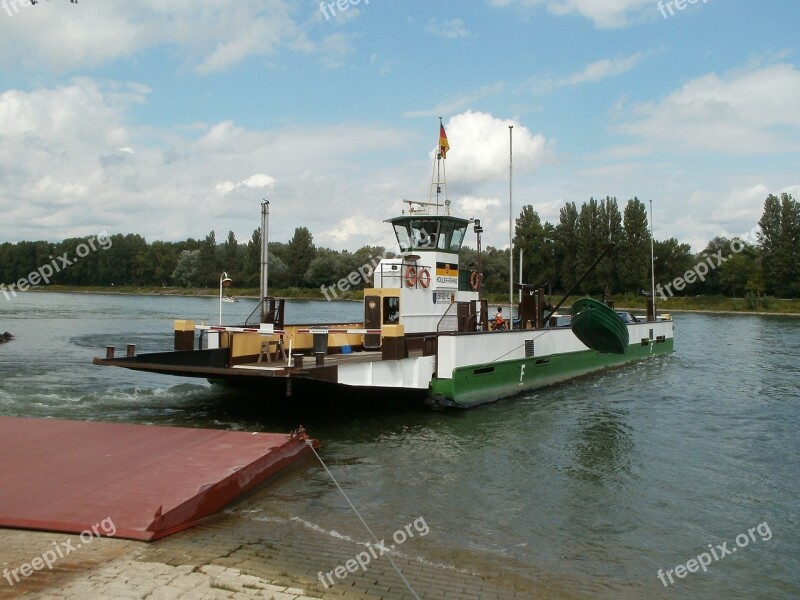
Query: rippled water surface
589, 487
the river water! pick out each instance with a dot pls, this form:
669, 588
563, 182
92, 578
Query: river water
595, 484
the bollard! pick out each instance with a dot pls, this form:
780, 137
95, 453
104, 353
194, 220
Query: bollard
130, 350
320, 358
109, 352
297, 361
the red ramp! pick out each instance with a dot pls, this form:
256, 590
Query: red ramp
140, 482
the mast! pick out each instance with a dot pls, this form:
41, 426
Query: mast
439, 175
264, 251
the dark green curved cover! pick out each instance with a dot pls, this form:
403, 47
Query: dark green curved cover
599, 327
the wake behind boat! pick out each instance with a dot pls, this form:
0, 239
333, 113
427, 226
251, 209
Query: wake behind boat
425, 334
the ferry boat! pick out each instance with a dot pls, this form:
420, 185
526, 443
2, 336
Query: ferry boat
426, 334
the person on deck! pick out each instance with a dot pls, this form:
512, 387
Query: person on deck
499, 321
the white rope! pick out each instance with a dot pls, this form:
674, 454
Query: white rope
374, 537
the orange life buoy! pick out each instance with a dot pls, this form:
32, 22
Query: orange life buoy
474, 280
411, 276
424, 277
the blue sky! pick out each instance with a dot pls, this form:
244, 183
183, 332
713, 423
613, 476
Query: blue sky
170, 119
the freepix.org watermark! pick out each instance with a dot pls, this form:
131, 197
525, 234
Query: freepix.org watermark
329, 8
704, 267
8, 5
48, 558
101, 241
667, 7
362, 274
717, 552
362, 560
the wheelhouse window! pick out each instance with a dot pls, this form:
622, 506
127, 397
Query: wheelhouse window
451, 235
424, 234
444, 235
403, 238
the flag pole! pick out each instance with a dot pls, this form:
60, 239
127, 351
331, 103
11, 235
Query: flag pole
510, 229
652, 264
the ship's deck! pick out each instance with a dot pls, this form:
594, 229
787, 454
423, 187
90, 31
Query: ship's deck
331, 360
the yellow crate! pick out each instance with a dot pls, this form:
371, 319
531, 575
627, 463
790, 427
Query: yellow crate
184, 325
393, 330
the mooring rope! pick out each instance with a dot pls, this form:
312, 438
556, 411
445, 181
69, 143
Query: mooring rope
363, 522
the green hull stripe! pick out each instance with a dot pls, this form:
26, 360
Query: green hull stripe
478, 384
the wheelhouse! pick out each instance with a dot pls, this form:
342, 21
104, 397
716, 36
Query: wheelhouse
442, 233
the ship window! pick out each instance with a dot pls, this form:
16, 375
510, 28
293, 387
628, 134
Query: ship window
424, 234
451, 236
403, 239
458, 237
391, 310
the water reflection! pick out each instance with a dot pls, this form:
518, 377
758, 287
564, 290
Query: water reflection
603, 447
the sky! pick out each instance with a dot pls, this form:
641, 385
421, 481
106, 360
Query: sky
172, 119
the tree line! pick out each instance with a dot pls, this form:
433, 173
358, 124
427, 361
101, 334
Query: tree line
553, 256
556, 255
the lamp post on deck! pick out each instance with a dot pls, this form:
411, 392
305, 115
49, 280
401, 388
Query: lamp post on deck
224, 281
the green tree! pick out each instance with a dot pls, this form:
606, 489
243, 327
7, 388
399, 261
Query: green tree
187, 269
251, 261
672, 259
712, 285
300, 251
164, 258
231, 257
531, 237
565, 247
209, 269
610, 231
326, 268
634, 251
590, 244
780, 239
739, 275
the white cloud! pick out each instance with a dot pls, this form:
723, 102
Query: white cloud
593, 72
475, 207
479, 148
456, 103
67, 170
452, 29
755, 111
255, 181
211, 35
603, 13
357, 231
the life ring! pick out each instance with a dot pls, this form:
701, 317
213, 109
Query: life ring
424, 277
411, 276
474, 280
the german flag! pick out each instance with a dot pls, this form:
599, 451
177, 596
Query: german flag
443, 145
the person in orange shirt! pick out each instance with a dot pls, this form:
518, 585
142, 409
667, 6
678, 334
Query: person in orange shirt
499, 321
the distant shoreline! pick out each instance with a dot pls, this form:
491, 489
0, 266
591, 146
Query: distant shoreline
724, 312
292, 295
172, 292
